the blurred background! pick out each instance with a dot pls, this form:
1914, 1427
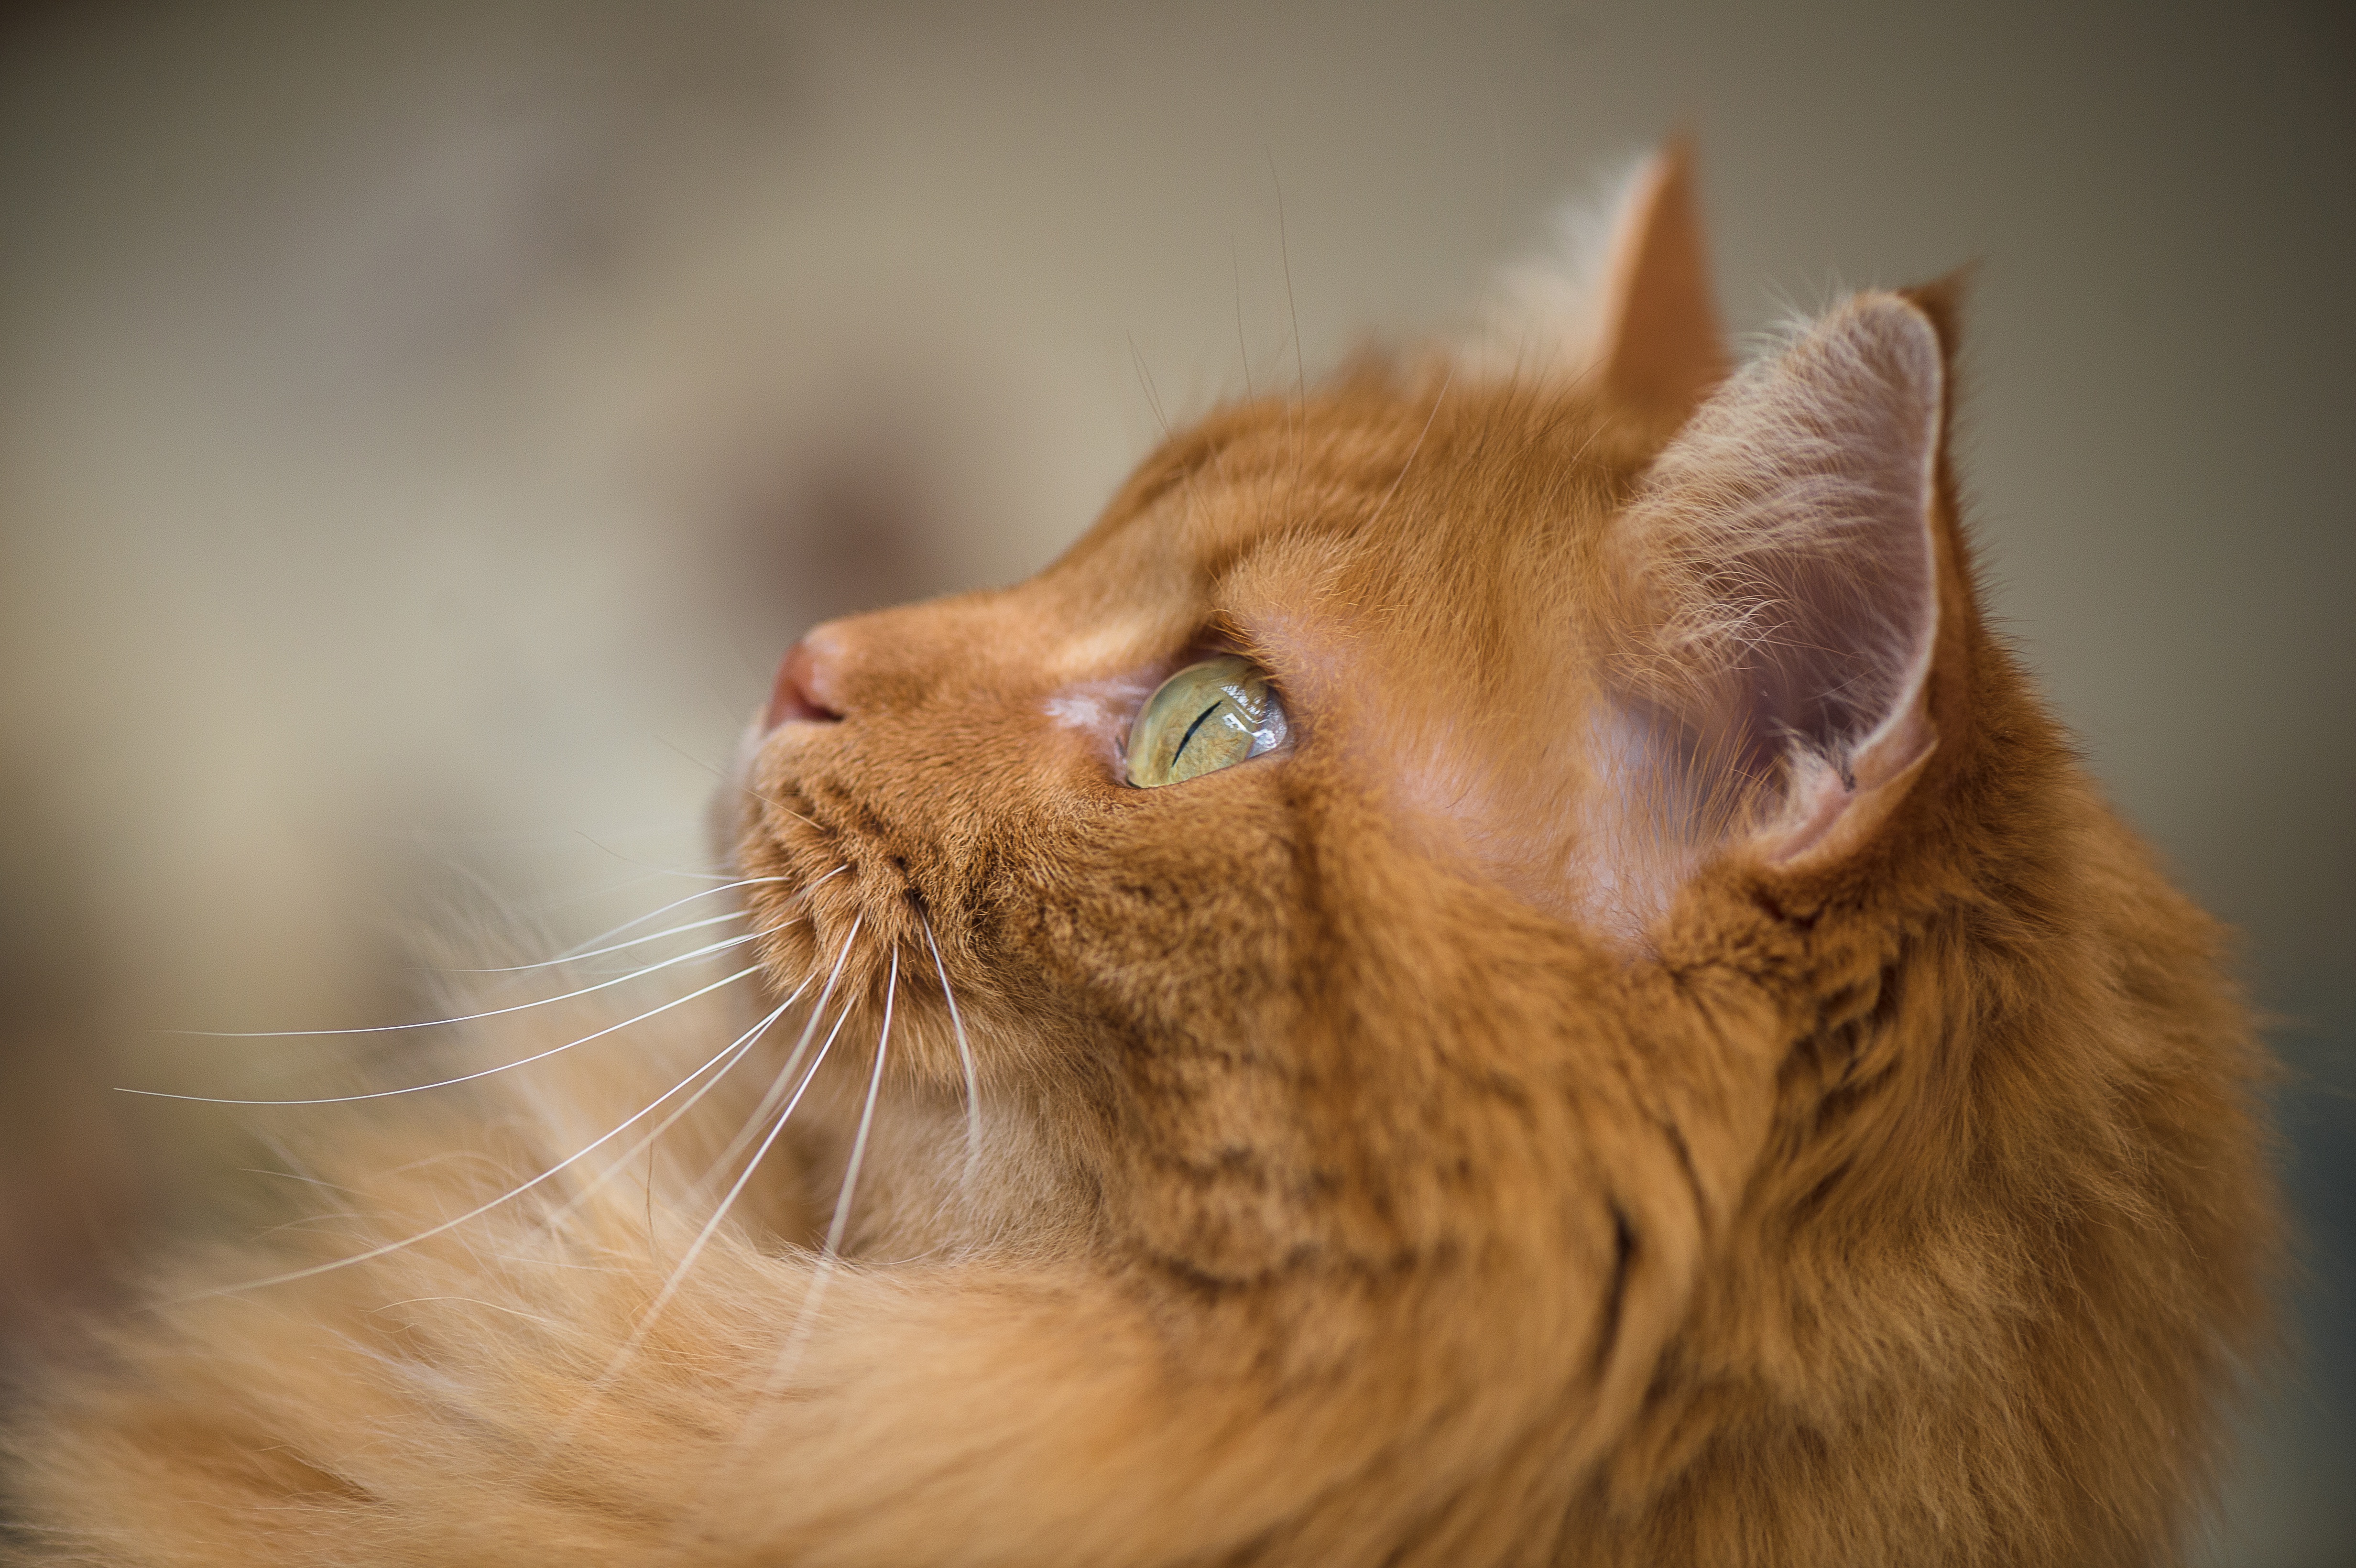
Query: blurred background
422, 427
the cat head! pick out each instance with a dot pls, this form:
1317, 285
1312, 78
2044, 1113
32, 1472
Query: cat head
1520, 650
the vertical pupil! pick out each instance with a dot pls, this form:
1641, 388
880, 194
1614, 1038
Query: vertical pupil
1197, 724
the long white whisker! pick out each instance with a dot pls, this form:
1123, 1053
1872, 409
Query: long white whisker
463, 1078
866, 1117
720, 1211
738, 1047
556, 1435
742, 1048
965, 1057
601, 951
703, 951
675, 904
770, 1097
789, 1355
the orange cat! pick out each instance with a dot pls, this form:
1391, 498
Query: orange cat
1494, 968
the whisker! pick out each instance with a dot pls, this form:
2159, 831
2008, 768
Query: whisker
965, 1057
735, 1189
675, 904
770, 1096
742, 1048
739, 1046
1236, 266
1145, 381
1401, 478
866, 1117
601, 951
789, 1355
1292, 307
703, 951
464, 1078
677, 1276
649, 865
737, 784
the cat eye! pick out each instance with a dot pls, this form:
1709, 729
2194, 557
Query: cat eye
1208, 716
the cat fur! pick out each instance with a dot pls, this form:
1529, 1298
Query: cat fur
1676, 1064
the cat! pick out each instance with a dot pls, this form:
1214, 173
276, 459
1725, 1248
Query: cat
1495, 967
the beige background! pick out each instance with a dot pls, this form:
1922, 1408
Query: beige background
422, 426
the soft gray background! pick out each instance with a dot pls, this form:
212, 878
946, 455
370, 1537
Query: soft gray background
422, 426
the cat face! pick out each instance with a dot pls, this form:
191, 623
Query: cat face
1411, 598
1530, 687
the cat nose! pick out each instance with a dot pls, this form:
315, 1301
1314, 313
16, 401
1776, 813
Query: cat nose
804, 687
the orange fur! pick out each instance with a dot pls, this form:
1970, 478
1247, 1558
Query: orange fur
1359, 1180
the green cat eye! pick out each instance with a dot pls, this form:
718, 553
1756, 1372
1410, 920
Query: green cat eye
1208, 716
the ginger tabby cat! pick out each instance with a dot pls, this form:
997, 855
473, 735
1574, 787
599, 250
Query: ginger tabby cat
1494, 968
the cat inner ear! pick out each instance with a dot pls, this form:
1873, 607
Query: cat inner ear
1778, 592
1659, 343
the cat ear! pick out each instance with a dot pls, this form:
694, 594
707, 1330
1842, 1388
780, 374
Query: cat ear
1779, 580
1659, 342
1625, 300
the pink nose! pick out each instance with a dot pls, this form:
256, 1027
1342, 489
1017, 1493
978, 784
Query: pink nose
801, 680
